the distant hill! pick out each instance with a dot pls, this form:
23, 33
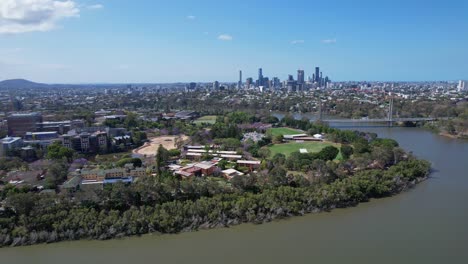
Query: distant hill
20, 84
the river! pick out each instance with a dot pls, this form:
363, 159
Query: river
428, 224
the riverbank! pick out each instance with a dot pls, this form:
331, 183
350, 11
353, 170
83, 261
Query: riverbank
425, 225
221, 210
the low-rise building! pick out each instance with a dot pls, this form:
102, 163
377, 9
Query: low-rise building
9, 143
251, 164
231, 173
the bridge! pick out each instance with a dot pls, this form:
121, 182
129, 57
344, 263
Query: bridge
383, 120
389, 120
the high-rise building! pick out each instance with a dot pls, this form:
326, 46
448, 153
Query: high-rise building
317, 74
239, 83
260, 77
19, 124
216, 85
248, 82
300, 76
462, 86
276, 82
192, 86
291, 84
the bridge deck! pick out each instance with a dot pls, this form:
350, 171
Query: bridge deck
381, 120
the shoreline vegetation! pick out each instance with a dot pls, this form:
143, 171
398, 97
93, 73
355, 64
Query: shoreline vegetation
224, 210
370, 167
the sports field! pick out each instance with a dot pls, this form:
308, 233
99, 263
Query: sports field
311, 147
284, 131
211, 119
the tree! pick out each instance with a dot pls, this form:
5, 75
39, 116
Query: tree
131, 120
135, 161
56, 174
361, 146
162, 155
222, 164
57, 151
346, 151
22, 203
264, 152
328, 153
279, 159
139, 137
278, 139
277, 176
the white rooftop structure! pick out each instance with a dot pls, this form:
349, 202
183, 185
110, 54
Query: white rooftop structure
294, 136
250, 162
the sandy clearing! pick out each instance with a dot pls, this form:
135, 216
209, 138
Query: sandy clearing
150, 148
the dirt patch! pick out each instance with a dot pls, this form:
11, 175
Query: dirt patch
168, 142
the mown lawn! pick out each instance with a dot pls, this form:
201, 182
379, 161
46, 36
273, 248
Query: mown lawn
206, 119
288, 148
284, 131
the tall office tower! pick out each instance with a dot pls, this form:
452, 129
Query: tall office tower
260, 77
239, 84
321, 79
216, 85
192, 86
462, 86
291, 84
276, 82
248, 82
313, 77
266, 82
317, 74
300, 76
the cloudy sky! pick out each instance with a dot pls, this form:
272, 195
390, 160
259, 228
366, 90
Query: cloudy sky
83, 41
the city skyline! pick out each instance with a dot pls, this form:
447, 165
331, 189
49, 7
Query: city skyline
184, 41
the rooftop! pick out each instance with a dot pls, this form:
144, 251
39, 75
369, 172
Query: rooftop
9, 140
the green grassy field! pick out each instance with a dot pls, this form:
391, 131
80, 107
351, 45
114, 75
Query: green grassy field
284, 131
288, 148
206, 119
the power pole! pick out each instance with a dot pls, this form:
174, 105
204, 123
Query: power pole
390, 112
320, 118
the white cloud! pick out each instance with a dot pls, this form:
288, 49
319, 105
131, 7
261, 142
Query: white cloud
225, 37
96, 6
297, 41
191, 17
20, 16
329, 41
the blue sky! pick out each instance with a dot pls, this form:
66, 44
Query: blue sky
168, 41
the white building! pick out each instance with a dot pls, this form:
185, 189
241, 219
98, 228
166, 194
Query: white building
462, 86
9, 143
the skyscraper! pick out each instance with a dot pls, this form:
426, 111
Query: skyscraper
317, 74
291, 84
216, 85
248, 82
260, 77
239, 84
300, 76
462, 86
